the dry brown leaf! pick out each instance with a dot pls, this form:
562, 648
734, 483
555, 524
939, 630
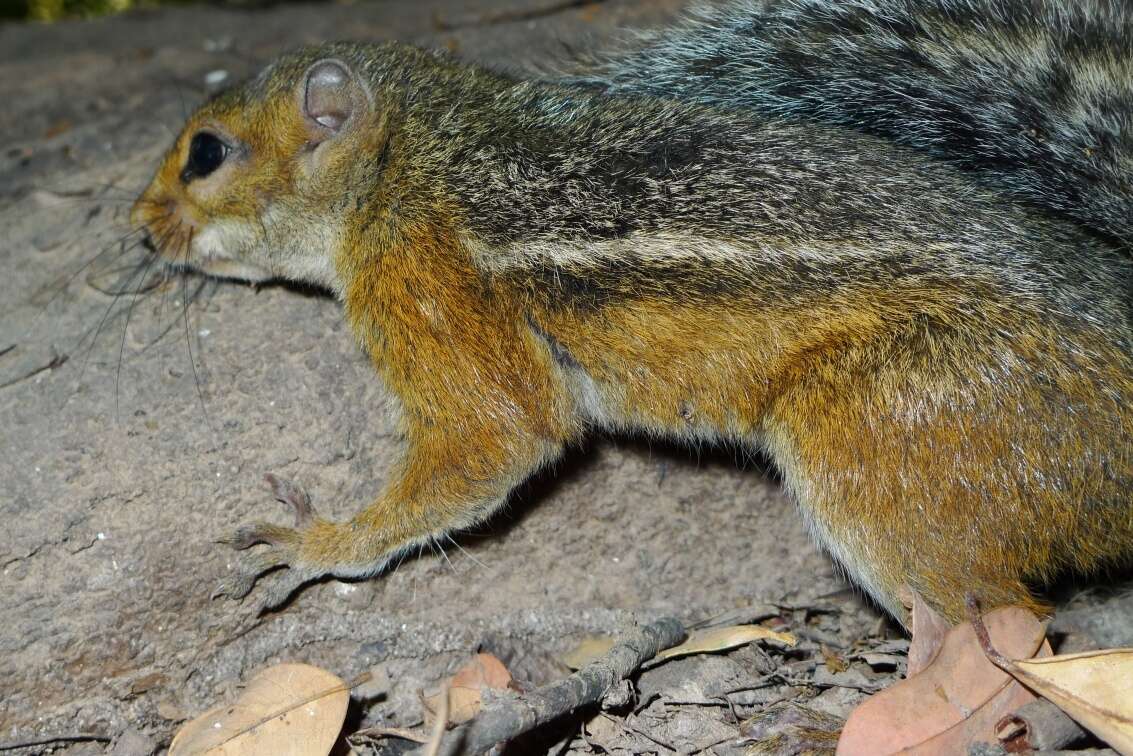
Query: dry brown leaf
1094, 687
955, 701
929, 629
288, 709
606, 733
723, 638
590, 648
466, 686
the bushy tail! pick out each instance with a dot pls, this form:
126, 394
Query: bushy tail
1034, 96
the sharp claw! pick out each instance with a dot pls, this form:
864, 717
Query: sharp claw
244, 538
250, 569
288, 493
284, 544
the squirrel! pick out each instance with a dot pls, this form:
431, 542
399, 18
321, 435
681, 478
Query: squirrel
939, 366
1034, 97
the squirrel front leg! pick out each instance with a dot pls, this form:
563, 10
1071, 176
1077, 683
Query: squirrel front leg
444, 483
482, 409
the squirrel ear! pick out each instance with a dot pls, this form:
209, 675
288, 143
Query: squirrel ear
331, 95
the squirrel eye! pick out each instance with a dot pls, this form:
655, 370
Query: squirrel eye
206, 153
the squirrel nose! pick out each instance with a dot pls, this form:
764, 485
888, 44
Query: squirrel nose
146, 207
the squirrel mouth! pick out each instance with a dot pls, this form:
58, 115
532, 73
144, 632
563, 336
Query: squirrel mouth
186, 246
222, 267
209, 254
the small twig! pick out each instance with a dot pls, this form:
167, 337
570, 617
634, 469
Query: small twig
982, 635
1038, 726
759, 683
11, 745
731, 708
56, 361
711, 702
746, 615
625, 725
439, 726
392, 732
510, 718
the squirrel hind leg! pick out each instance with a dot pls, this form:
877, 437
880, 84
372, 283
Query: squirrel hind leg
895, 564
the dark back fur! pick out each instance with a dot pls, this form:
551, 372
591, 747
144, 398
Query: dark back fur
1034, 96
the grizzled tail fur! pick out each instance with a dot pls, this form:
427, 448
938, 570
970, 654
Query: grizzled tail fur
1033, 96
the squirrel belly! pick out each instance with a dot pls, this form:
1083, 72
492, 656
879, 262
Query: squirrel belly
944, 377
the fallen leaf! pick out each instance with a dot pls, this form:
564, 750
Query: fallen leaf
611, 735
929, 629
833, 662
724, 638
955, 701
589, 648
465, 688
1094, 687
529, 664
288, 709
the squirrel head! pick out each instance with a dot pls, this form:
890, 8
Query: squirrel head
253, 186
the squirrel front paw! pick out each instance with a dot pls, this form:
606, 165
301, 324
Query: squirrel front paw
287, 548
361, 547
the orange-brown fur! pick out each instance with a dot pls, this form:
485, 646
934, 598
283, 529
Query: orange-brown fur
945, 419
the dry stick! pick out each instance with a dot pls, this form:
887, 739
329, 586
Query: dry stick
435, 740
510, 718
392, 732
1040, 726
11, 745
